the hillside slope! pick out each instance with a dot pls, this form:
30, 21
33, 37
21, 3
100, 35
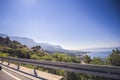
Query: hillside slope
47, 47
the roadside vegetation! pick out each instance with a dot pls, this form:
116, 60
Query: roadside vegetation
13, 48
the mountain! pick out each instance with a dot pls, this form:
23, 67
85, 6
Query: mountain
3, 35
47, 47
29, 42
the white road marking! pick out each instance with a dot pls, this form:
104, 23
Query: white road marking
11, 75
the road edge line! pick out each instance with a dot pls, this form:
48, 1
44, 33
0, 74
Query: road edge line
12, 75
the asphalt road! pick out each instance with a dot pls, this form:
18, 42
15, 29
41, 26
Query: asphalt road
4, 76
7, 74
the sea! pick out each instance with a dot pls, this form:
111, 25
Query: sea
103, 54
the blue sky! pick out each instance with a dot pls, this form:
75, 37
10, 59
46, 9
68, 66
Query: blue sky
73, 24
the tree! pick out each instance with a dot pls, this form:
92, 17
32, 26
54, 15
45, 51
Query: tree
36, 48
114, 58
87, 59
7, 40
97, 61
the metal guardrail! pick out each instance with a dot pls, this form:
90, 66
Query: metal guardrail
97, 70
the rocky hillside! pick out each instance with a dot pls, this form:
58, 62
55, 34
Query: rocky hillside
6, 43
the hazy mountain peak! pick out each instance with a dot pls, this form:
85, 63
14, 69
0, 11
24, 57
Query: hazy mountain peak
46, 46
3, 35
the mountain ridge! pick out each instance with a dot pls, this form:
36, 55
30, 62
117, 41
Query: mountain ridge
55, 48
46, 46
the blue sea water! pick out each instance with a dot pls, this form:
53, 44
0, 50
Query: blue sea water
99, 54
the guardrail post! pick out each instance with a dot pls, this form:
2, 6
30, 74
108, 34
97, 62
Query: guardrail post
35, 73
65, 76
8, 63
18, 66
2, 61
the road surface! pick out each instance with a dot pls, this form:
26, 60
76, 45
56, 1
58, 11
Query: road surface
4, 76
7, 74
